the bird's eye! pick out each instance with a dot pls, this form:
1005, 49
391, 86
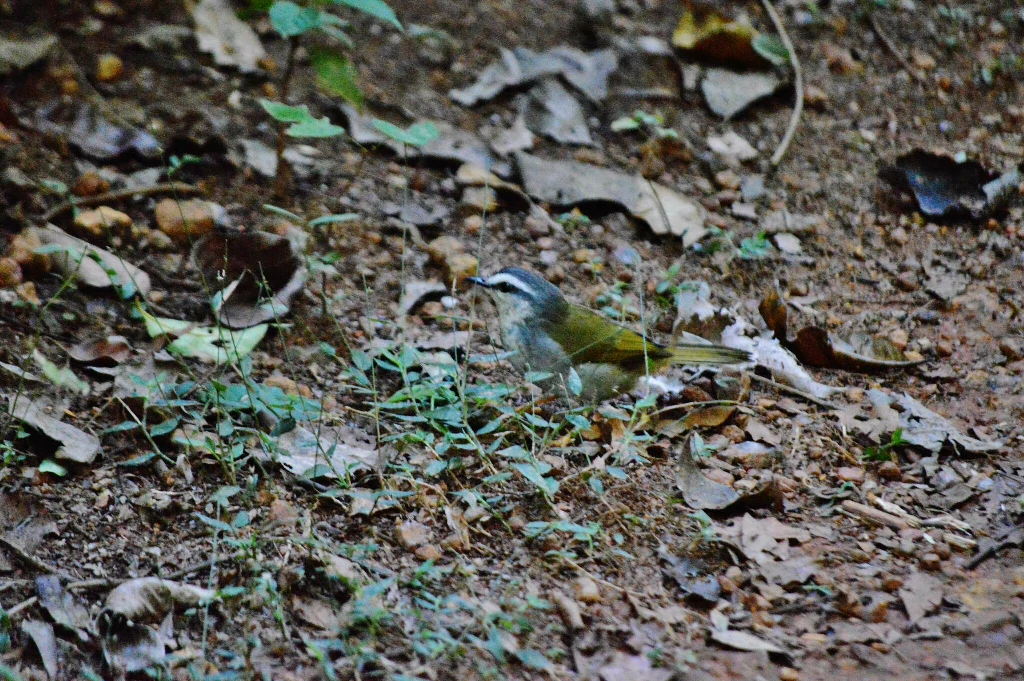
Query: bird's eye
504, 287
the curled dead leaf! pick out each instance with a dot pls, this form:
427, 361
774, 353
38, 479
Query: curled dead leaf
82, 262
704, 33
75, 445
815, 347
261, 273
108, 351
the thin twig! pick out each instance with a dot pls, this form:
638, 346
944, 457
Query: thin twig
608, 584
893, 50
121, 195
796, 392
110, 583
25, 557
798, 77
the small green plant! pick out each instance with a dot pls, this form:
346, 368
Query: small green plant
650, 124
669, 287
573, 219
700, 449
176, 163
707, 530
614, 303
884, 452
771, 48
335, 73
755, 247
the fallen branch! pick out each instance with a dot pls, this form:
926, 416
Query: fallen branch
798, 78
29, 559
992, 549
796, 392
893, 50
120, 195
874, 515
108, 583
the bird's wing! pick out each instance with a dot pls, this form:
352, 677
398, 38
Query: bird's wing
600, 340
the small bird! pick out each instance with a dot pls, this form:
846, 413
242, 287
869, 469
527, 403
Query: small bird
548, 334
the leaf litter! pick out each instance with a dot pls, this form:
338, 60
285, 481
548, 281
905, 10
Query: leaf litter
570, 183
74, 444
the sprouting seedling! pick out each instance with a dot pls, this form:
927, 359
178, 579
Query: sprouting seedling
417, 135
884, 452
755, 247
335, 72
652, 124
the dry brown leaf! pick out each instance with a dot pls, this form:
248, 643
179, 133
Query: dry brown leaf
706, 34
815, 347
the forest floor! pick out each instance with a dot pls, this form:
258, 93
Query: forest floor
360, 487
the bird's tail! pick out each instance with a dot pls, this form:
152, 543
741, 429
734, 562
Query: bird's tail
706, 354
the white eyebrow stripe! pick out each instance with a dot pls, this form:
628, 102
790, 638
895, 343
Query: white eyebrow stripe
511, 281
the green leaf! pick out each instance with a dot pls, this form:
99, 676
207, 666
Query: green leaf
574, 383
8, 674
315, 127
286, 214
336, 75
375, 8
624, 124
62, 377
224, 494
303, 124
164, 428
533, 659
215, 524
240, 520
290, 20
534, 472
51, 466
334, 219
120, 428
284, 112
140, 460
436, 468
578, 422
231, 591
771, 48
211, 344
755, 247
416, 135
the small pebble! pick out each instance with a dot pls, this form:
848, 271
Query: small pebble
109, 68
815, 97
184, 220
10, 273
890, 470
727, 179
411, 534
899, 338
931, 561
943, 348
428, 552
744, 211
908, 282
586, 590
96, 222
788, 674
851, 474
90, 184
719, 476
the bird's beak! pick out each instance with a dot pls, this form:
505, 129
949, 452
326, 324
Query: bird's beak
478, 281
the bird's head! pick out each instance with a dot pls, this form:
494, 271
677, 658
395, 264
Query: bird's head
522, 296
